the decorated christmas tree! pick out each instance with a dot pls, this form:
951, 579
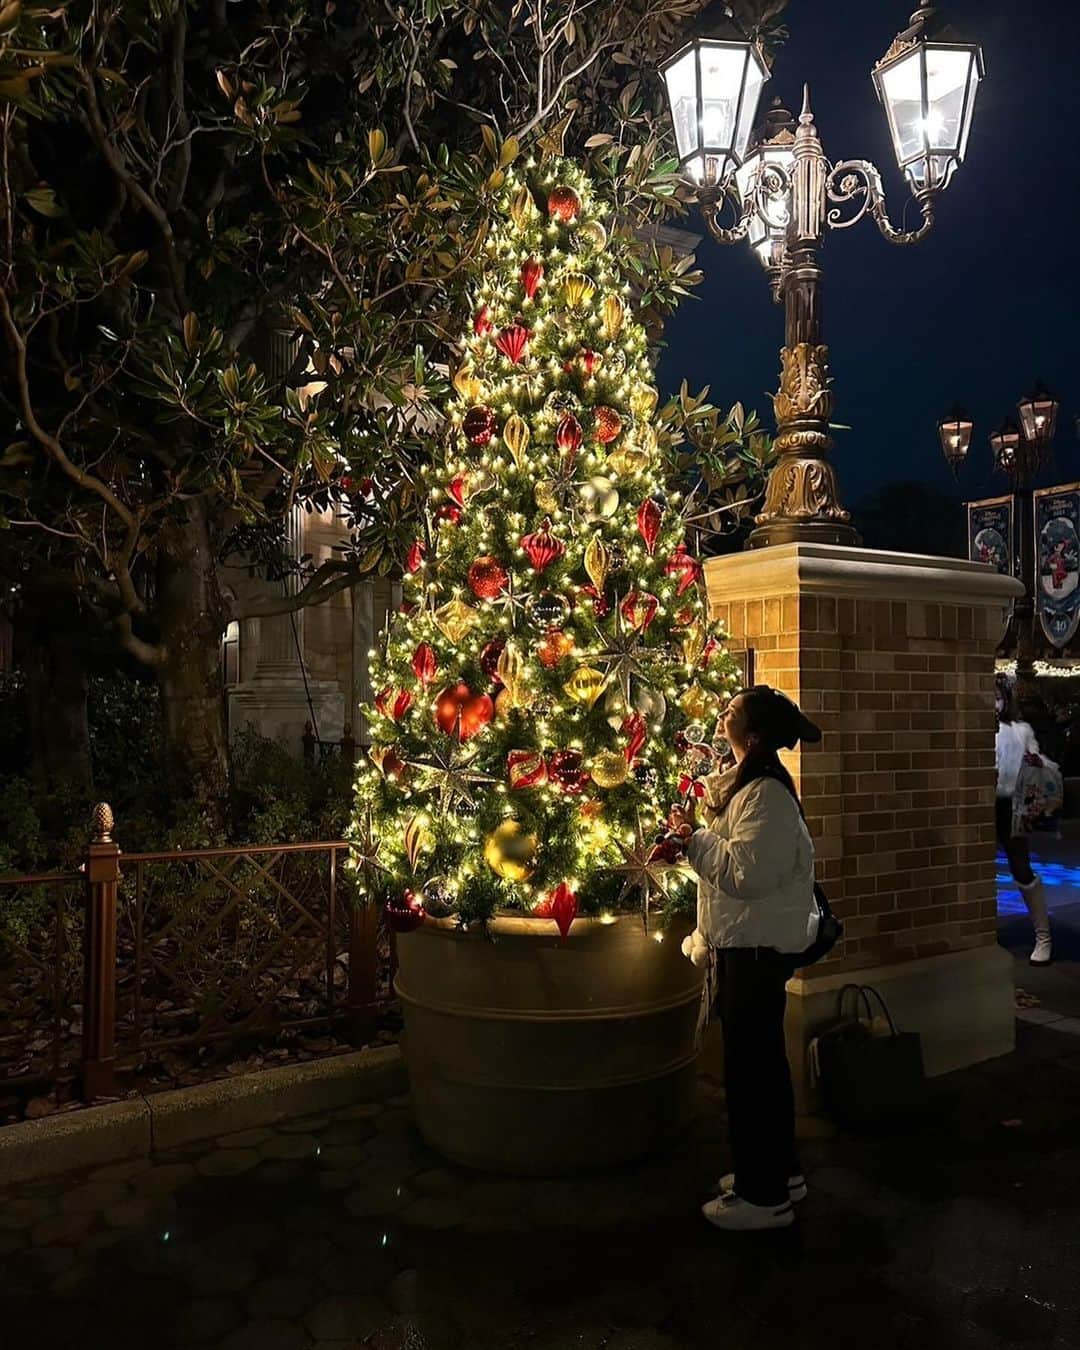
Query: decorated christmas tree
551, 683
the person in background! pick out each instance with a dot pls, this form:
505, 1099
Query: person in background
755, 865
1015, 739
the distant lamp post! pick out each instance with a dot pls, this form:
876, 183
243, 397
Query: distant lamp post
785, 195
955, 430
1020, 450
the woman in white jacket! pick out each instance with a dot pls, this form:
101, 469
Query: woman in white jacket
1014, 742
755, 866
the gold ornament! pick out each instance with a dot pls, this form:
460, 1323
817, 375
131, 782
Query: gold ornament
454, 619
522, 208
478, 481
608, 769
643, 400
627, 460
578, 289
516, 437
510, 669
545, 497
698, 703
597, 561
693, 643
613, 314
593, 234
600, 498
510, 852
467, 385
585, 685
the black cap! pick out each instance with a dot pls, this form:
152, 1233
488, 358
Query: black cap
781, 719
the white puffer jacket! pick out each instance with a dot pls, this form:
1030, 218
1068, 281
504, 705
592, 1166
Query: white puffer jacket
755, 866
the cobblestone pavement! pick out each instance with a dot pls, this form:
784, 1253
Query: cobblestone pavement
961, 1231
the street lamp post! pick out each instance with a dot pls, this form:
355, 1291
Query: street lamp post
1020, 449
787, 194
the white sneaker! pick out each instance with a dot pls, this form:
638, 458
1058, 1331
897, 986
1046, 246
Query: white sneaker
731, 1212
1043, 953
796, 1186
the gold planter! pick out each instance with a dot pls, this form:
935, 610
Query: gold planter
535, 1056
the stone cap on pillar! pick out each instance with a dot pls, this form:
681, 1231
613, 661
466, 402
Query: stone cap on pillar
835, 569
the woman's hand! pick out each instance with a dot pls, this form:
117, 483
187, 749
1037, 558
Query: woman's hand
683, 819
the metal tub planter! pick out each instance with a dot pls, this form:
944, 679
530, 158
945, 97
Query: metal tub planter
535, 1055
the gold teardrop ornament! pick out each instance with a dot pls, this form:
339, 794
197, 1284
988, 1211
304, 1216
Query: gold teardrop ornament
597, 561
627, 460
455, 619
693, 643
516, 437
522, 208
510, 669
578, 289
643, 399
613, 315
697, 703
467, 385
585, 685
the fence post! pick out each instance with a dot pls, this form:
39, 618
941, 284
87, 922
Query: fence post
348, 744
363, 966
99, 959
309, 742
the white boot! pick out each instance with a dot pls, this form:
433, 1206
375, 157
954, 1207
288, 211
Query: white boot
1035, 899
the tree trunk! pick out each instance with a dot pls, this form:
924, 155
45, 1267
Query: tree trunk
191, 613
56, 719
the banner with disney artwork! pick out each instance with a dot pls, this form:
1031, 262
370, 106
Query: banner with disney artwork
991, 537
1057, 561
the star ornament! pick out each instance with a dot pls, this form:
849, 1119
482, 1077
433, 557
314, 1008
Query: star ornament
621, 653
364, 853
640, 873
450, 770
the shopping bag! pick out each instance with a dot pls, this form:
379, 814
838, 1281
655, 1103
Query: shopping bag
1039, 794
871, 1075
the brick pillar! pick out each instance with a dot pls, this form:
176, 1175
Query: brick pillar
893, 655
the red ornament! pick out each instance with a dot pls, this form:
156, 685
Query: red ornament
639, 609
637, 733
482, 324
460, 712
648, 523
513, 342
684, 617
393, 703
563, 907
685, 566
532, 274
487, 578
600, 603
389, 763
563, 204
564, 768
478, 425
449, 513
407, 914
608, 424
526, 769
590, 361
568, 434
489, 658
541, 547
408, 607
555, 646
712, 646
457, 489
424, 663
414, 559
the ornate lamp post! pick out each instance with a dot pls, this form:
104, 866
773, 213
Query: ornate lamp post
1020, 451
786, 194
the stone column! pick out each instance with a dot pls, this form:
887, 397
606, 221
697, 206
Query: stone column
893, 655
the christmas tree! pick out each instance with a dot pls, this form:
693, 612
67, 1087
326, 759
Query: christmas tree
551, 683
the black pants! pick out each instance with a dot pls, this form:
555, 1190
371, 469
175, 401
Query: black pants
1016, 847
757, 1078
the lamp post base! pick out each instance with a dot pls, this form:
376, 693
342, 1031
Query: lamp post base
804, 532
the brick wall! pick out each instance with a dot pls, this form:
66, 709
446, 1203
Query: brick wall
899, 795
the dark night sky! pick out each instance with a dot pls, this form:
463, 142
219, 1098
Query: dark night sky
977, 310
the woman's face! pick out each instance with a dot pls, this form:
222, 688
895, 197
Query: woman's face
736, 726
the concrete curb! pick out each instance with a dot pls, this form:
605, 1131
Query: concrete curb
141, 1125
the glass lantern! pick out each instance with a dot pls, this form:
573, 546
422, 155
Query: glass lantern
766, 174
1005, 442
713, 89
928, 85
1039, 414
955, 430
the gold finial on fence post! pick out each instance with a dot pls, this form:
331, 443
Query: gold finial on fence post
101, 823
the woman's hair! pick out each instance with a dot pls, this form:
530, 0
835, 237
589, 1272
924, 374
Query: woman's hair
776, 723
1003, 689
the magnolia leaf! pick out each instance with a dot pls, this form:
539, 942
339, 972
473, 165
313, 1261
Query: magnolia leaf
225, 84
601, 138
43, 201
491, 145
509, 152
376, 141
191, 330
10, 16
